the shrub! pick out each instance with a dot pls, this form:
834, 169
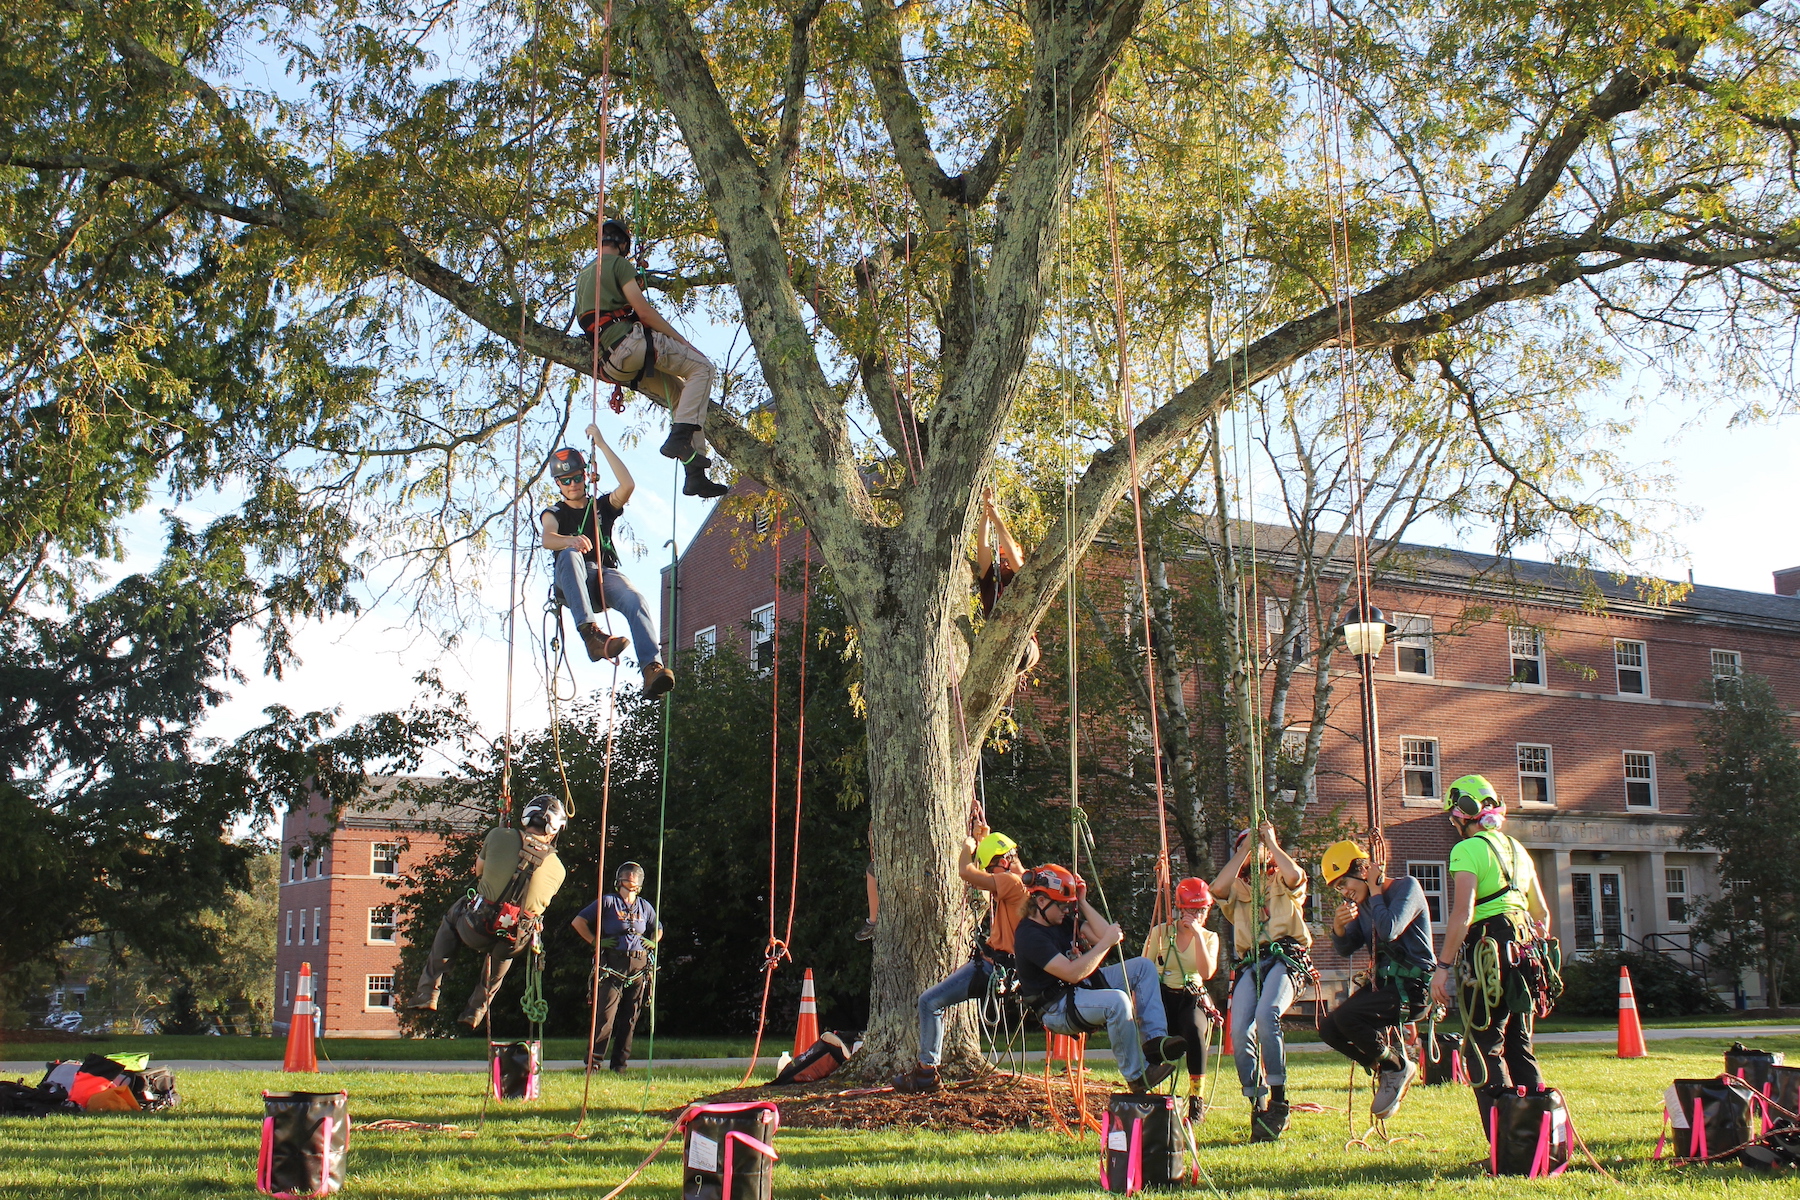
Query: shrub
1661, 986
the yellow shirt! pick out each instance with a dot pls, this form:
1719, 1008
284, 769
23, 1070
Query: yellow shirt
1283, 914
1175, 963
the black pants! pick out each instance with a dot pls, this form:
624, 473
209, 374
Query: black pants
1360, 1027
458, 928
1188, 1019
1505, 1046
623, 980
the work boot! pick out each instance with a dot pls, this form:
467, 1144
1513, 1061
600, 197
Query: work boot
679, 444
1156, 1074
920, 1079
1164, 1049
1391, 1082
1268, 1124
658, 679
599, 645
867, 932
698, 484
1196, 1109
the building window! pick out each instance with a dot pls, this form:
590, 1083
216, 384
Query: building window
1634, 679
319, 870
1527, 649
1431, 881
381, 923
76, 999
384, 858
1640, 780
1412, 645
1675, 894
293, 867
706, 640
380, 992
762, 520
305, 866
287, 988
287, 937
1418, 756
1727, 664
1290, 766
303, 927
1535, 786
318, 927
762, 637
1275, 620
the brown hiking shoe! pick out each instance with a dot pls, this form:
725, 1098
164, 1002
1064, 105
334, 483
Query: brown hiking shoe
658, 679
920, 1079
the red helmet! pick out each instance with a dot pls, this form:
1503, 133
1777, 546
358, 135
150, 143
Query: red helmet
1058, 883
1193, 893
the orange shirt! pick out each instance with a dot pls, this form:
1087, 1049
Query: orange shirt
1009, 910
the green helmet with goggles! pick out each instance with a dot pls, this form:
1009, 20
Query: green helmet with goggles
1473, 798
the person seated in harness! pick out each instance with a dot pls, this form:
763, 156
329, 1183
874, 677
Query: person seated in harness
1062, 979
517, 875
989, 862
629, 933
1272, 941
1187, 954
640, 350
578, 532
1500, 965
993, 572
1391, 918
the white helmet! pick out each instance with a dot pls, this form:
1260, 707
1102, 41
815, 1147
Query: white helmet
547, 813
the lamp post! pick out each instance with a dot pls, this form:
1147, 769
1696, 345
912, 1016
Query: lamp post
1365, 631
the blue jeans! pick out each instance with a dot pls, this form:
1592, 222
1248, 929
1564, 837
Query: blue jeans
969, 982
1130, 1006
573, 571
1256, 1024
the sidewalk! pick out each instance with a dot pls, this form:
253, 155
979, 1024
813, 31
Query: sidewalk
475, 1066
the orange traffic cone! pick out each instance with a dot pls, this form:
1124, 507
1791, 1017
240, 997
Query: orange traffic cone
807, 1031
1631, 1034
301, 1054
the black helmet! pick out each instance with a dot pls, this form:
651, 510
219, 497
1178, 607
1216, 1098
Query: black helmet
547, 813
614, 232
567, 463
627, 869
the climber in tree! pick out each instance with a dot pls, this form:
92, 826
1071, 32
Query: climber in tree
642, 351
578, 530
993, 573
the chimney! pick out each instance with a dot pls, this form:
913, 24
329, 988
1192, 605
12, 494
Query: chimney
1787, 583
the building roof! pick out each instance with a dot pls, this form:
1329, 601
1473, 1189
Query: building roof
413, 802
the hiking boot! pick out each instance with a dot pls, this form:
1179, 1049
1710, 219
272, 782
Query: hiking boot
1156, 1074
680, 442
658, 679
867, 932
1164, 1049
1268, 1124
698, 484
1391, 1082
594, 638
1196, 1109
918, 1080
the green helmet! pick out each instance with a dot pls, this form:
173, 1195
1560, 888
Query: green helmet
993, 846
1471, 796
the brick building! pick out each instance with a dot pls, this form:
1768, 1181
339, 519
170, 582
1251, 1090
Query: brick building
1567, 693
338, 889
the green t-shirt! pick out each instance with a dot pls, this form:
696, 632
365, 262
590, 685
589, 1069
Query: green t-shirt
500, 856
1481, 856
615, 272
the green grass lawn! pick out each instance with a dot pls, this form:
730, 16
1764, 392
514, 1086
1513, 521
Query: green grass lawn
207, 1147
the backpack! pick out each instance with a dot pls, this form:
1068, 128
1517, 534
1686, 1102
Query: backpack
1710, 1118
1141, 1143
501, 917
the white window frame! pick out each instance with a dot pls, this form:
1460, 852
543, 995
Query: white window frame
287, 988
392, 858
1549, 774
1677, 875
1720, 657
1275, 623
1513, 657
369, 991
1629, 779
1293, 748
1441, 892
1642, 667
319, 870
392, 925
706, 641
293, 867
305, 866
302, 940
1437, 766
287, 937
318, 927
762, 631
1409, 634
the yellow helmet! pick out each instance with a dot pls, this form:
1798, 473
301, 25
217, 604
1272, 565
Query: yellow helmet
1338, 860
993, 846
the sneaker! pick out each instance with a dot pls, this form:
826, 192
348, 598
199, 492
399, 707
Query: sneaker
918, 1080
680, 442
658, 679
867, 932
1164, 1049
1391, 1083
596, 641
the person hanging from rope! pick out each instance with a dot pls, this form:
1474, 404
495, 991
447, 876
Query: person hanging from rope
578, 532
1272, 944
1391, 918
1073, 994
989, 862
517, 875
993, 572
1499, 966
629, 931
1187, 955
639, 349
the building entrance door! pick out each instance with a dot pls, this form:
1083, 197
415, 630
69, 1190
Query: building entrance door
1599, 909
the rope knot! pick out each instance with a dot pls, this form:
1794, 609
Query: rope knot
777, 951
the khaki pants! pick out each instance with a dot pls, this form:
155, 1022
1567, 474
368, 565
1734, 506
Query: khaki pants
681, 377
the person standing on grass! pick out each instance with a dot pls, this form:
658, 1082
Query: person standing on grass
629, 931
1187, 955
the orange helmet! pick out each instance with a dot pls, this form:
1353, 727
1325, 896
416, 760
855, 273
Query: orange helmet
1058, 883
1193, 893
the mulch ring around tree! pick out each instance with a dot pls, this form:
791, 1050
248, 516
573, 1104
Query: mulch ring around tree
993, 1104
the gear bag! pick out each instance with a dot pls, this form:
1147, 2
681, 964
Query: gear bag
726, 1154
1783, 1093
820, 1059
1141, 1143
305, 1137
1751, 1066
1528, 1133
514, 1069
1443, 1060
1710, 1118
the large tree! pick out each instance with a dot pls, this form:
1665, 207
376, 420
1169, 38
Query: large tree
346, 285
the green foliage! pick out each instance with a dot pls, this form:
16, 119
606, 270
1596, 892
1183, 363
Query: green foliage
183, 1016
1744, 796
1660, 986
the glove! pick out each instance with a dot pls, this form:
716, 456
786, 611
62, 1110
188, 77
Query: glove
608, 943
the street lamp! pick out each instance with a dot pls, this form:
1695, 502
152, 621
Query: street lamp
1365, 631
